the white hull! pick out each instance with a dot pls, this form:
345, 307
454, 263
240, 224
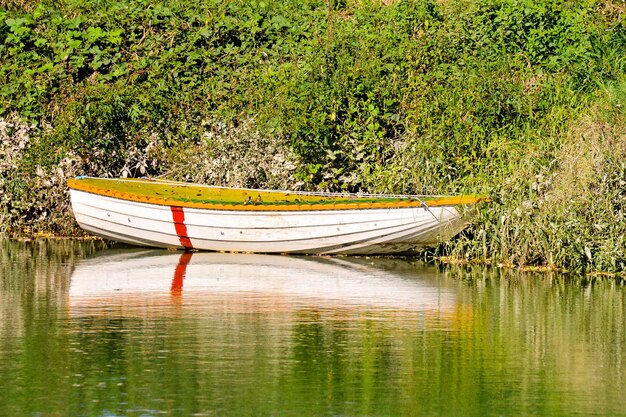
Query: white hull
357, 231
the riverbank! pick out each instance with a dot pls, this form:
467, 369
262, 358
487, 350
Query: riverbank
524, 102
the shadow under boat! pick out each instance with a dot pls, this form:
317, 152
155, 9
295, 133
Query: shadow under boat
128, 280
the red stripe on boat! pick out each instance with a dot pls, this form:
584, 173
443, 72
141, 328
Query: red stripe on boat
181, 230
179, 273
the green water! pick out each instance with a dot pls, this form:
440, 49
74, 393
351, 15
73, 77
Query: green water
88, 331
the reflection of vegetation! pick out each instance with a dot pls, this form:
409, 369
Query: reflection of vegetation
50, 262
417, 96
513, 344
34, 280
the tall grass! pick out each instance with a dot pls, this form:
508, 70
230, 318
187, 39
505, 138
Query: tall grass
568, 213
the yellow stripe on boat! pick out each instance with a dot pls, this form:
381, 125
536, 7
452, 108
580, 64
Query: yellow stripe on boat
171, 193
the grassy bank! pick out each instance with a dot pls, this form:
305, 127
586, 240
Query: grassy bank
523, 100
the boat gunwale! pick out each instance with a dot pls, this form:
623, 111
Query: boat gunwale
342, 201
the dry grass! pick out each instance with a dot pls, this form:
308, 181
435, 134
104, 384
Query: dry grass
25, 5
578, 213
237, 157
614, 9
590, 155
361, 3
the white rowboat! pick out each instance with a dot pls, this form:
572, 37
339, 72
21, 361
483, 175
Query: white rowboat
180, 215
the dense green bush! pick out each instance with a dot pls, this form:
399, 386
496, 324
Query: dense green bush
411, 96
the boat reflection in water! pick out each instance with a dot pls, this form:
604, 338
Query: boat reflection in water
152, 282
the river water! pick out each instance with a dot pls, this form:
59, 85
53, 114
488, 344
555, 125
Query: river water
91, 331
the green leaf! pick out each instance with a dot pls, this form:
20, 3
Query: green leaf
45, 68
15, 24
74, 43
93, 34
115, 36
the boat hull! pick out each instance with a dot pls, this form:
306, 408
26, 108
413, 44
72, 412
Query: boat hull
353, 231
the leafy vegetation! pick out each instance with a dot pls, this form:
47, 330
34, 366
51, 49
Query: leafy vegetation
519, 99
